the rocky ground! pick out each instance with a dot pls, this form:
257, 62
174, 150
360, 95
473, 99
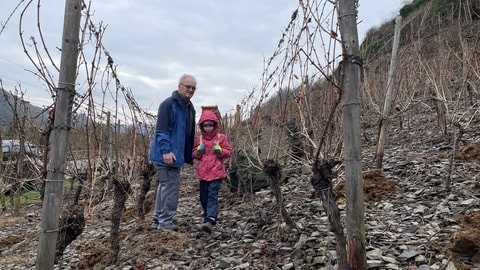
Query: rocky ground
412, 220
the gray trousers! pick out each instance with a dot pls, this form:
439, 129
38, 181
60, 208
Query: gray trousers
166, 199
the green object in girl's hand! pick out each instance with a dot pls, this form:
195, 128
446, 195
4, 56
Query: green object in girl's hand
200, 148
217, 148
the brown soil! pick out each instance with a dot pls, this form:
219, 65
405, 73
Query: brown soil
375, 186
172, 243
466, 242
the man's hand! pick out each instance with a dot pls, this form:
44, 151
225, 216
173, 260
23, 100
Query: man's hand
169, 158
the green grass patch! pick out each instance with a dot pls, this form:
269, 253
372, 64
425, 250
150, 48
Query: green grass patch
33, 196
25, 197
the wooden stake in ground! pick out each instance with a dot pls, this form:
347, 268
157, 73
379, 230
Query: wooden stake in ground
63, 117
388, 96
352, 63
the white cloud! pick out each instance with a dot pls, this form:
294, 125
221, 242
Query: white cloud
222, 43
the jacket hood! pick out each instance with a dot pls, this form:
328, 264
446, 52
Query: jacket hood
208, 115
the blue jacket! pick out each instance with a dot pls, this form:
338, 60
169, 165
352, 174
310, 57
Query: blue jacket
174, 132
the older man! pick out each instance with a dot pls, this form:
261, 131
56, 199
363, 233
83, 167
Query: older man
171, 148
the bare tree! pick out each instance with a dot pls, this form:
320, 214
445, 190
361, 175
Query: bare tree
91, 145
20, 168
309, 86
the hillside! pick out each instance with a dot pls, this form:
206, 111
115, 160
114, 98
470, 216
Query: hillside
412, 220
8, 107
422, 209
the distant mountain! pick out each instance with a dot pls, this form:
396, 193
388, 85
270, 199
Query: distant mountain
10, 103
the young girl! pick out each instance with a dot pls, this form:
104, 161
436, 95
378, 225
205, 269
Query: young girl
211, 148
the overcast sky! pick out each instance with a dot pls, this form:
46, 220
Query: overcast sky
223, 43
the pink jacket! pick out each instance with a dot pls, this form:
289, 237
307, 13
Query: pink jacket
210, 166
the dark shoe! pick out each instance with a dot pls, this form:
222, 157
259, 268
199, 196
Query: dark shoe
154, 225
167, 227
206, 227
199, 226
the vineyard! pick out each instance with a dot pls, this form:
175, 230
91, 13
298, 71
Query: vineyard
285, 203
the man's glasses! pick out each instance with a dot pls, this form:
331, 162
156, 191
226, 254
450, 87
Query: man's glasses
189, 87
